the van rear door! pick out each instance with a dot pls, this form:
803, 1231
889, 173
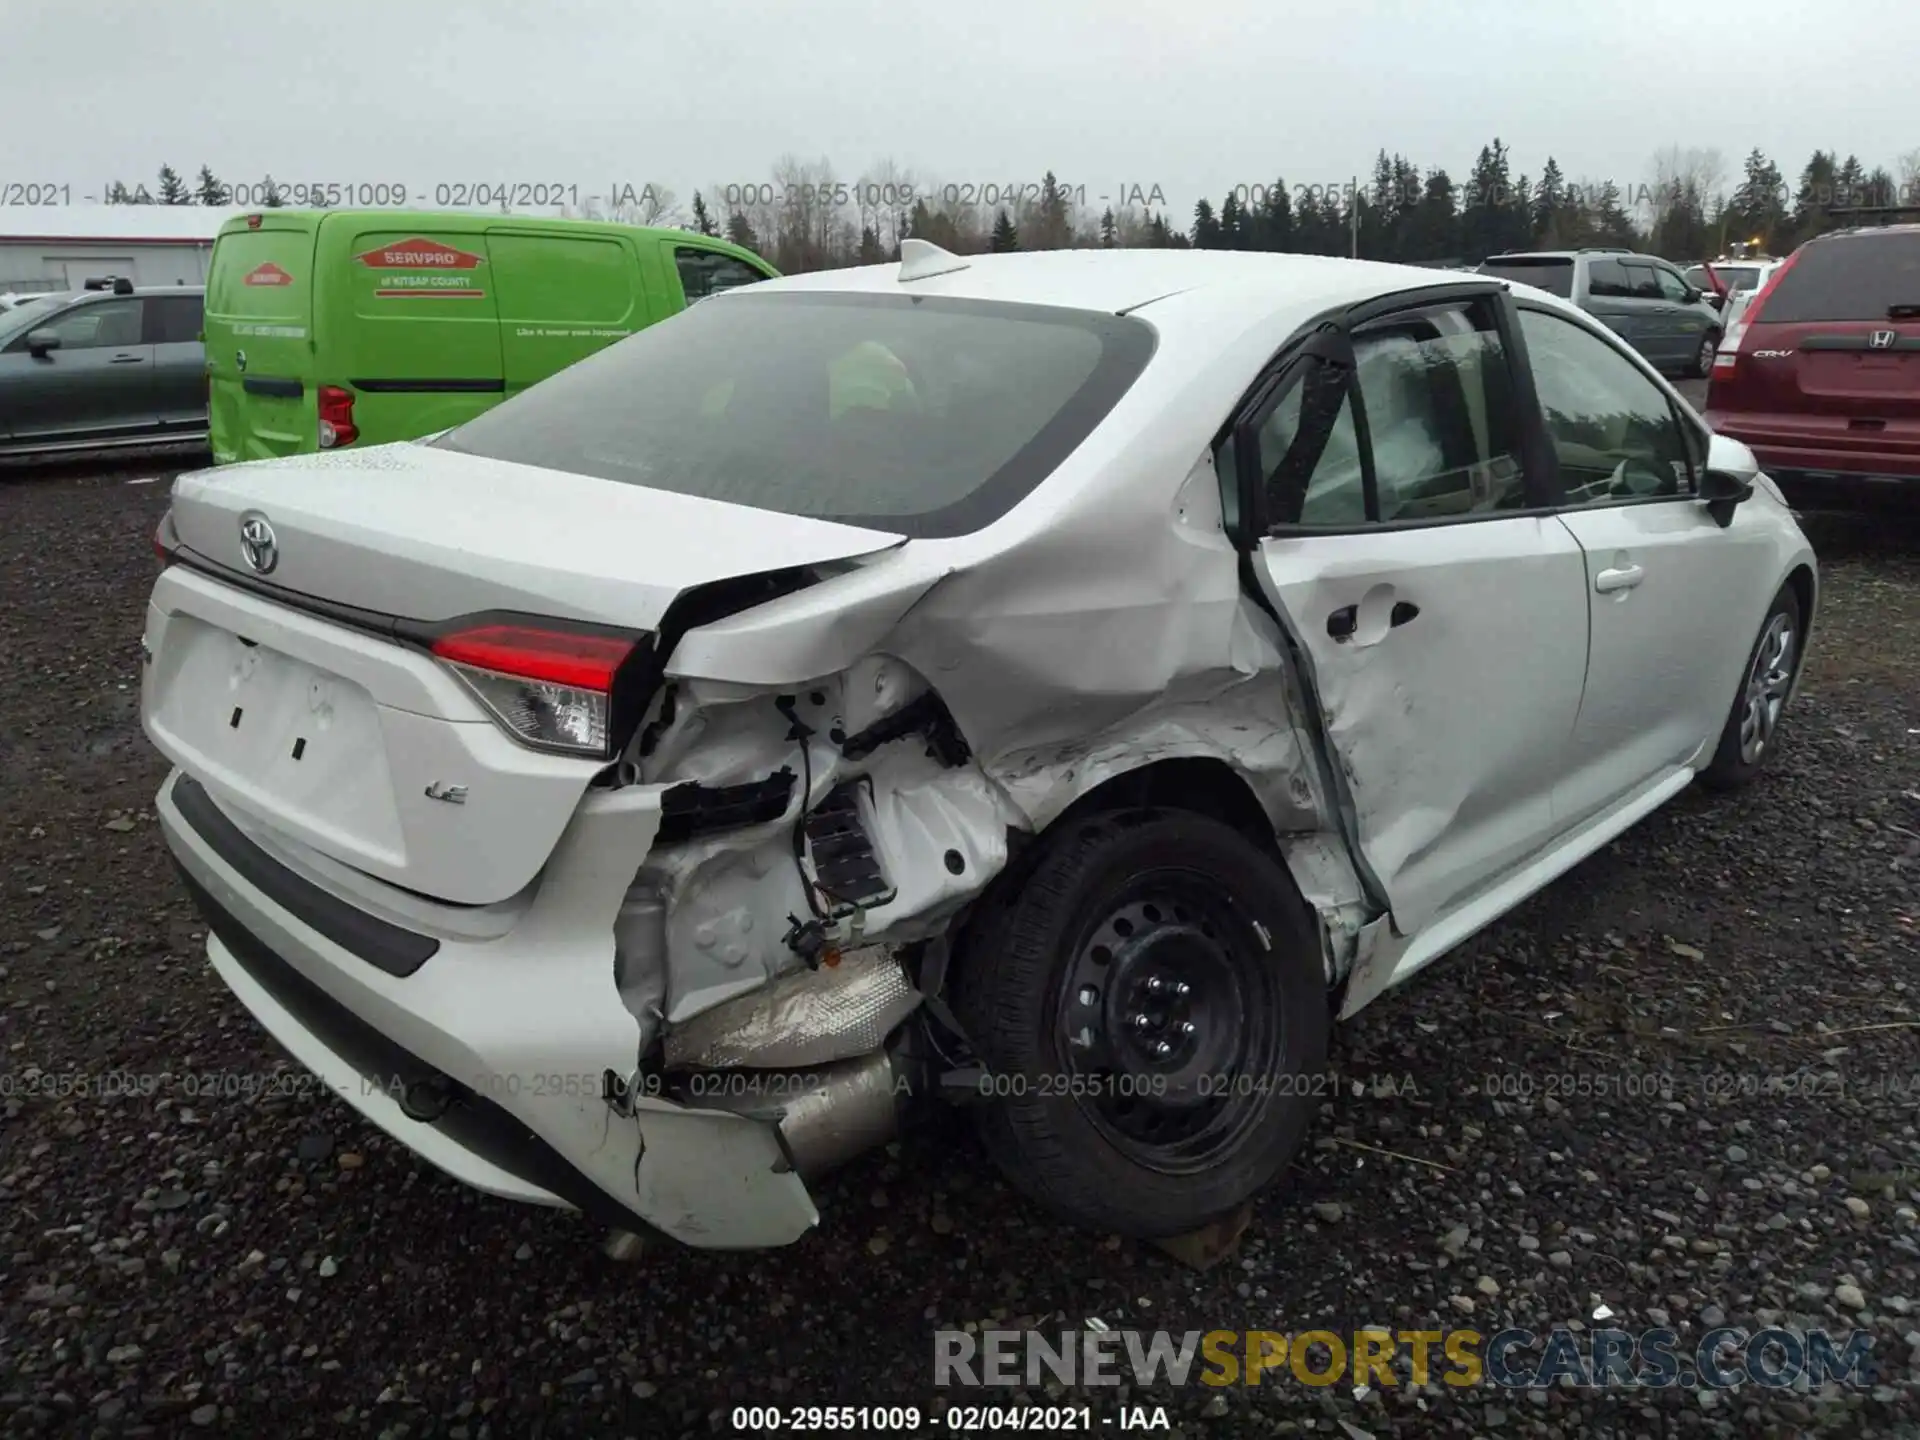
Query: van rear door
258, 328
562, 297
413, 325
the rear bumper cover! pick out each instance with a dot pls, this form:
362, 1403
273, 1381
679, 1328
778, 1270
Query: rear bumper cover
506, 1044
1815, 475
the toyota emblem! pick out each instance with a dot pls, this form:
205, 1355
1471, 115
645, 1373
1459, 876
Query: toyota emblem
257, 543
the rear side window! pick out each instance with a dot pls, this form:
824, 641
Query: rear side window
925, 416
1549, 273
1856, 277
707, 272
173, 319
1436, 394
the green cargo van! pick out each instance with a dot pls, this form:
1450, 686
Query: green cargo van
357, 327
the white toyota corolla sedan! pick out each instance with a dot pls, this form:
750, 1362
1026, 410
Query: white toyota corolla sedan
1063, 683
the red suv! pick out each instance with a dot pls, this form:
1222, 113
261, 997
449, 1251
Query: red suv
1821, 373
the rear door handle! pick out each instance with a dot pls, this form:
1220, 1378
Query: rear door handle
1343, 622
1625, 577
125, 360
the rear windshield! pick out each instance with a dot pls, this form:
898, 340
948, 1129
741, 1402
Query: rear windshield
1734, 277
1549, 273
923, 416
1858, 277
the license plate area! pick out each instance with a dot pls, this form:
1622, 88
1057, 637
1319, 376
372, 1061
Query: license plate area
302, 746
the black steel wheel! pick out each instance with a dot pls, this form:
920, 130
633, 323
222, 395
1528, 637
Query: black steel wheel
1151, 1010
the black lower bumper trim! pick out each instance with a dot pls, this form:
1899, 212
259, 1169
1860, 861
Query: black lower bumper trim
469, 1119
1847, 489
386, 947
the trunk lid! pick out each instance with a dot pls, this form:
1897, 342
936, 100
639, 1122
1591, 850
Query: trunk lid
346, 741
426, 534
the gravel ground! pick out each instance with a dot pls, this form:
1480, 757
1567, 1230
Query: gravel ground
264, 1263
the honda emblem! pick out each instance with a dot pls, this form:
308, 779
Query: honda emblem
1882, 340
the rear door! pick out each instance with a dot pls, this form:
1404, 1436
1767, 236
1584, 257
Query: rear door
259, 336
412, 325
1834, 349
1687, 320
1441, 611
561, 298
98, 383
179, 361
1609, 299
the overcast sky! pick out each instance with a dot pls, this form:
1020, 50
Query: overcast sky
1192, 95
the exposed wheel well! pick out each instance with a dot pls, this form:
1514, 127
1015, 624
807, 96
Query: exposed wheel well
1198, 783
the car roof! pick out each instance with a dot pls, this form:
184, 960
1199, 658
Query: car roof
1118, 281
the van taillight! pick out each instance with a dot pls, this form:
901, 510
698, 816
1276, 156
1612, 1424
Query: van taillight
336, 417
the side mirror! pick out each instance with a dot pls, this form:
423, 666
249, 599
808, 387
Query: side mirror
1721, 491
1716, 299
39, 342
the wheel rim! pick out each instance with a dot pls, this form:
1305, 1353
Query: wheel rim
1167, 1022
1766, 691
1708, 348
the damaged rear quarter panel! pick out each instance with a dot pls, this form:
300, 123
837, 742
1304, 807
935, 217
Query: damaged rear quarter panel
1095, 629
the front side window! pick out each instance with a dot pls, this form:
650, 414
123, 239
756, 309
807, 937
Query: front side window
1616, 435
1672, 287
101, 324
707, 272
1641, 282
925, 416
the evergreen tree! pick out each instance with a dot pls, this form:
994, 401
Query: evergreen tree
1005, 236
1159, 237
871, 252
210, 191
1814, 197
274, 197
740, 232
118, 194
1051, 228
173, 190
1273, 220
1206, 226
1611, 223
1486, 218
1433, 230
1233, 223
1549, 204
1758, 210
1109, 230
702, 220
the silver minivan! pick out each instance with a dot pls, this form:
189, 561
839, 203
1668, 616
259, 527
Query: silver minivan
1643, 299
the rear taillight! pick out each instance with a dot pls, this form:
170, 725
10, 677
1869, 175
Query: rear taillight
336, 417
1727, 358
163, 540
550, 689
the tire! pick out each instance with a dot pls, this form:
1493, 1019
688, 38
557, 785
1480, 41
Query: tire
1752, 732
1702, 363
1166, 896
